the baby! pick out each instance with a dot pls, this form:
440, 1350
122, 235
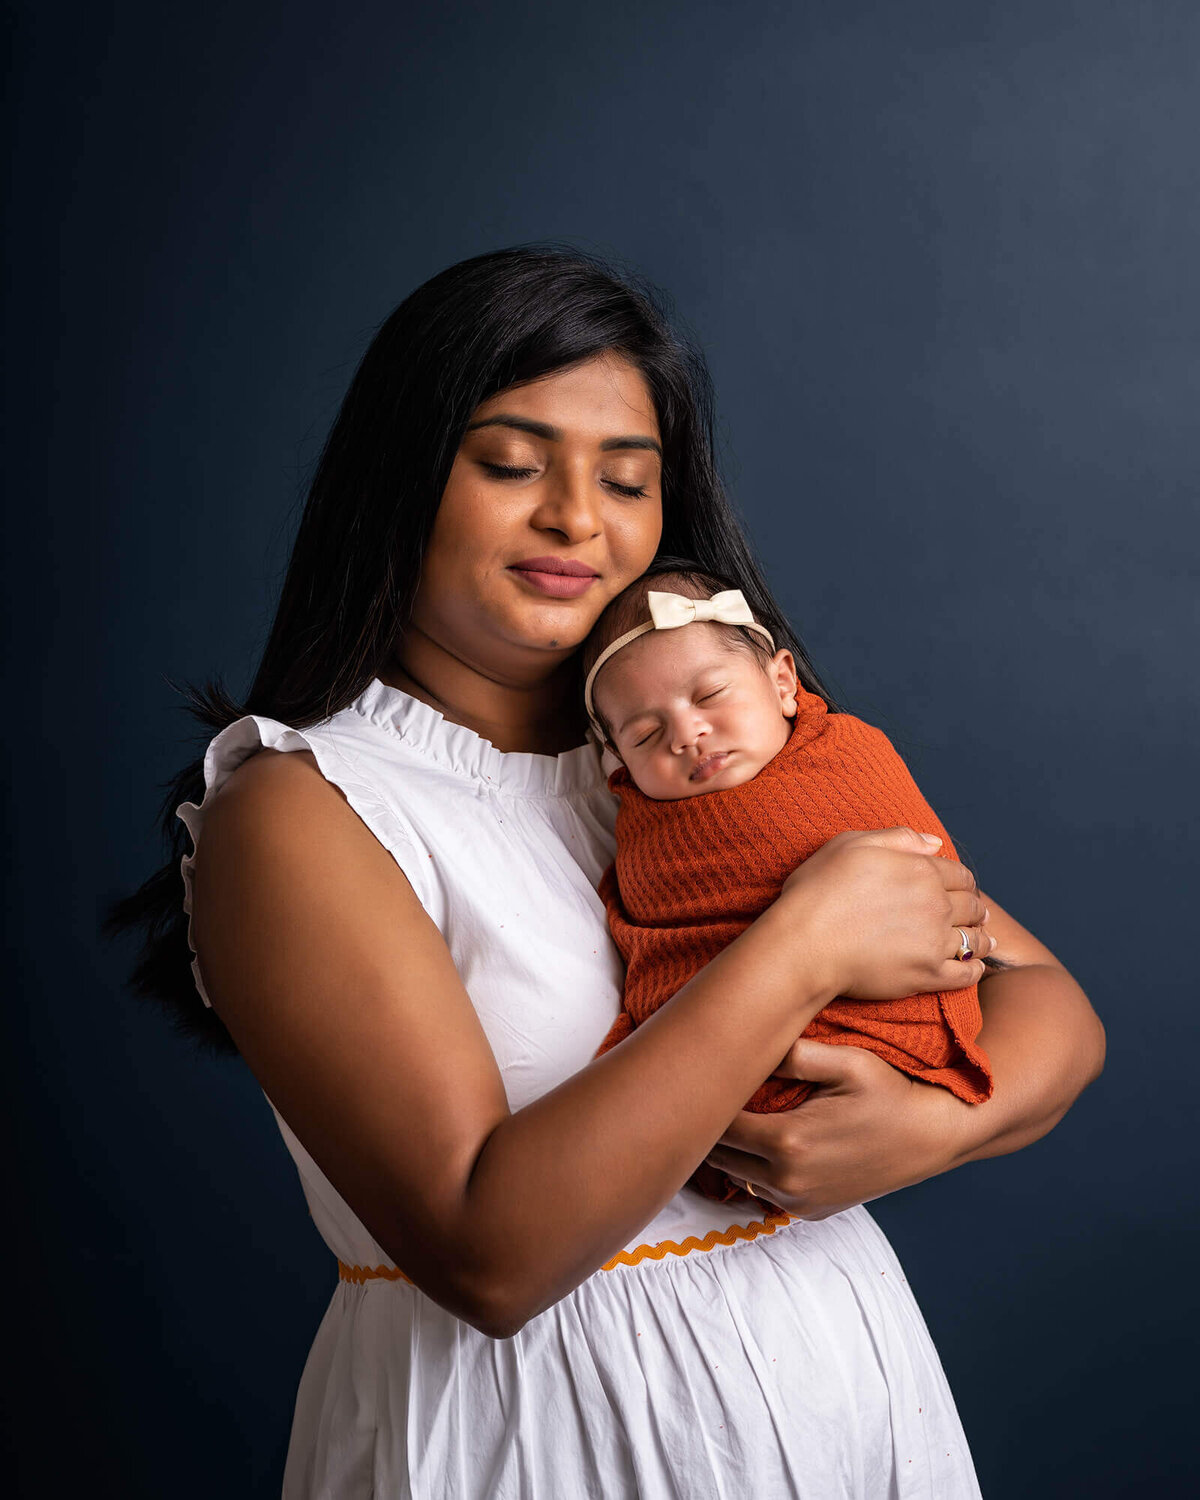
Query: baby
731, 775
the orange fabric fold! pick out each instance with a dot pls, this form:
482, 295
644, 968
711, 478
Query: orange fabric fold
691, 875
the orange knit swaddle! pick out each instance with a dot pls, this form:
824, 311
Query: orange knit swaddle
691, 875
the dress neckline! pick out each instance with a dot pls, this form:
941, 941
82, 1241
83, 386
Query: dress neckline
461, 752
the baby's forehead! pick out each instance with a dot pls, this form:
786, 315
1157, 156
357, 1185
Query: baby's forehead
668, 656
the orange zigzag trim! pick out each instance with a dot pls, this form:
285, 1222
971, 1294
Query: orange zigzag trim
361, 1274
713, 1238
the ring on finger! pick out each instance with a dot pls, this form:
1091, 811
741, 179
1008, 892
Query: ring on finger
964, 948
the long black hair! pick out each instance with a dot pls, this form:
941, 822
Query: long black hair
486, 324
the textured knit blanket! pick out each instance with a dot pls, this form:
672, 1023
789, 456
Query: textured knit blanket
692, 874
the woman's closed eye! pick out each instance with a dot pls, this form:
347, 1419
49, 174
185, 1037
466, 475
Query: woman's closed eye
515, 471
506, 471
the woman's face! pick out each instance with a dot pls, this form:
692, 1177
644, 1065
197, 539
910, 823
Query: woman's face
553, 506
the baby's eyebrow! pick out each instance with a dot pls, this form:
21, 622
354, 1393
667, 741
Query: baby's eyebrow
653, 713
638, 713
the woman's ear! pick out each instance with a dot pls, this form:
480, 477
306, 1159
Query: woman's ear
782, 673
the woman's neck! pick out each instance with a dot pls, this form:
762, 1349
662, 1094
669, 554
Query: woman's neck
543, 716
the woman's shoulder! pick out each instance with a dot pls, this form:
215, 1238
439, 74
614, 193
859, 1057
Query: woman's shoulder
275, 799
265, 780
273, 786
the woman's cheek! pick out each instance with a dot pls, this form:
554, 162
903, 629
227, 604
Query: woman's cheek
636, 541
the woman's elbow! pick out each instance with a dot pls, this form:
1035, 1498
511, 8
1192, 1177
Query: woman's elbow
494, 1311
480, 1301
1099, 1052
499, 1324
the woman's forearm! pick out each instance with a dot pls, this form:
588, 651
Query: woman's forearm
558, 1188
1046, 1044
563, 1184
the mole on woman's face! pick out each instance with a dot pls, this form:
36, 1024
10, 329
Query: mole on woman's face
553, 506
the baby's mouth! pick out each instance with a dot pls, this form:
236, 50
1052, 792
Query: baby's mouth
709, 766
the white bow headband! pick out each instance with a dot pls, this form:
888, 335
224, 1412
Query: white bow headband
668, 612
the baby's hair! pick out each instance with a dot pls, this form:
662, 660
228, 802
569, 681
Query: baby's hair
674, 575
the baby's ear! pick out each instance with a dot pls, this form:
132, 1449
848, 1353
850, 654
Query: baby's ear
609, 759
608, 751
782, 673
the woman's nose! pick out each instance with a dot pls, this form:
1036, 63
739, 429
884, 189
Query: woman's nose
570, 506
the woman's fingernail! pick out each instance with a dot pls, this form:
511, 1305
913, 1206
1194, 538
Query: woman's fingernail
986, 915
931, 838
993, 945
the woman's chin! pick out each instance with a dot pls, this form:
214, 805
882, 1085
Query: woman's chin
551, 624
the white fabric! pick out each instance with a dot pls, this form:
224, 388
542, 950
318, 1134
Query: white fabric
792, 1364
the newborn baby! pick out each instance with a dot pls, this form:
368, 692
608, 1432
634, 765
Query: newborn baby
731, 775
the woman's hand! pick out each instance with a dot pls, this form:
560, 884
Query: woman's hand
879, 916
867, 1130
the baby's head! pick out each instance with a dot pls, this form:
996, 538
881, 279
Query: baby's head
696, 708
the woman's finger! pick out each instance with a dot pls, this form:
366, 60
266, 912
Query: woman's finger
743, 1168
839, 1070
958, 974
752, 1133
954, 876
977, 941
825, 1063
967, 909
906, 840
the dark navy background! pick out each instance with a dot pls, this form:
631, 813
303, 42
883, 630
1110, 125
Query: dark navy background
943, 259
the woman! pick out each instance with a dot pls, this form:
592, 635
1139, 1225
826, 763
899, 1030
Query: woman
392, 905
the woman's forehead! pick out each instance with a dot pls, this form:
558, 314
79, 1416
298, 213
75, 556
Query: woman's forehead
603, 397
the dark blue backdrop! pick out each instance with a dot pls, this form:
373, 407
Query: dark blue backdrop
942, 257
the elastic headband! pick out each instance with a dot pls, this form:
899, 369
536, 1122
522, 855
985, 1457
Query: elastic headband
668, 612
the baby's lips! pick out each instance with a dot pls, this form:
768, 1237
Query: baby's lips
706, 761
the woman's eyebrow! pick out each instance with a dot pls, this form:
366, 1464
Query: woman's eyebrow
647, 443
555, 434
522, 424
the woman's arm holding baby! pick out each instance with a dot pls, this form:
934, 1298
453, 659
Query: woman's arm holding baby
870, 1129
1045, 1042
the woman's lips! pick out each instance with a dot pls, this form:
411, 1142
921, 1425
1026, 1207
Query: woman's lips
561, 578
709, 766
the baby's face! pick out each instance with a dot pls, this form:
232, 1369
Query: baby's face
689, 713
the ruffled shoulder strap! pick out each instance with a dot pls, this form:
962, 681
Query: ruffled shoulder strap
244, 738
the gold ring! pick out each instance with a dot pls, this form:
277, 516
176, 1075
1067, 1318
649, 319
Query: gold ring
751, 1191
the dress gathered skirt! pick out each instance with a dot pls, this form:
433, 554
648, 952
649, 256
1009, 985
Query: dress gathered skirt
727, 1351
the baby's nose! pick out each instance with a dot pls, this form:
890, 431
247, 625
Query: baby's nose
689, 730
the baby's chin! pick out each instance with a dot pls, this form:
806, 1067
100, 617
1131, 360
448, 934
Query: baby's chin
738, 769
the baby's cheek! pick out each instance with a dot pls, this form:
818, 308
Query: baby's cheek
747, 770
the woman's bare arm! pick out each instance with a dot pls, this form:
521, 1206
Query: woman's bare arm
1045, 1042
870, 1129
344, 1001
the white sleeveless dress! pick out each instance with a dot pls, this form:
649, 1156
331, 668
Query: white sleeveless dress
722, 1353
